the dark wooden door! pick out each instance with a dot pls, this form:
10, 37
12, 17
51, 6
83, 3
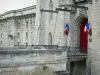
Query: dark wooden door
83, 37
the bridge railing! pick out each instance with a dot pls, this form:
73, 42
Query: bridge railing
76, 51
36, 46
71, 51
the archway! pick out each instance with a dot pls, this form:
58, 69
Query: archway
81, 36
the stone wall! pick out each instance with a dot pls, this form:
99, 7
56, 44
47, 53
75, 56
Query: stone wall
17, 27
26, 71
95, 51
52, 59
7, 32
25, 29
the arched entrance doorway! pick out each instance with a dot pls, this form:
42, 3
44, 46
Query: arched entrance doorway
81, 35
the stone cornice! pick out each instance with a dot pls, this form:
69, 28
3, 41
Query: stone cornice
27, 8
19, 12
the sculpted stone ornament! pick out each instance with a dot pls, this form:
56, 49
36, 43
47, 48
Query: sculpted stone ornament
90, 32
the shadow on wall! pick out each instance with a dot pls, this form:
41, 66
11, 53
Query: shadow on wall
78, 67
43, 71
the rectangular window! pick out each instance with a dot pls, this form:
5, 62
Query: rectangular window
1, 42
26, 24
30, 21
26, 44
18, 24
26, 35
1, 26
1, 35
51, 8
18, 35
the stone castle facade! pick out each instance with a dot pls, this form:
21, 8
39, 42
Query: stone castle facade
18, 27
44, 23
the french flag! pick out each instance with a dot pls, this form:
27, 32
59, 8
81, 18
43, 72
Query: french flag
66, 29
87, 28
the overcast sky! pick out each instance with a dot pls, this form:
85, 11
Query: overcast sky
6, 5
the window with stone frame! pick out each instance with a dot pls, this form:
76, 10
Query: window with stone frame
50, 39
30, 21
1, 42
18, 35
1, 26
1, 35
26, 23
51, 8
33, 24
33, 20
26, 35
18, 24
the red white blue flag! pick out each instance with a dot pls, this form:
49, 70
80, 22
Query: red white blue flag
87, 28
66, 29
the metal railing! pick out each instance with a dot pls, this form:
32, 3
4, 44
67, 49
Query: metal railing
76, 51
71, 51
31, 49
36, 46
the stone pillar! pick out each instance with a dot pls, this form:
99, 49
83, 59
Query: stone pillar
38, 15
41, 22
71, 16
72, 30
88, 60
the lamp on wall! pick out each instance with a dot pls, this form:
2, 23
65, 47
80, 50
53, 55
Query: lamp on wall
90, 39
90, 33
